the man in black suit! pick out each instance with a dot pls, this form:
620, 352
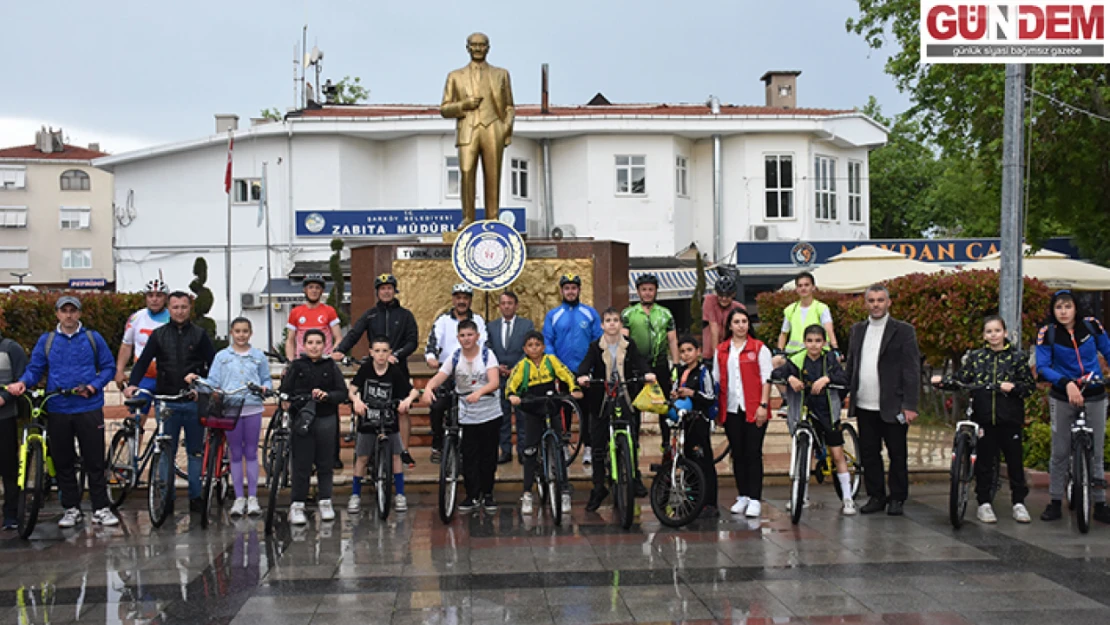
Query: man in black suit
506, 339
885, 367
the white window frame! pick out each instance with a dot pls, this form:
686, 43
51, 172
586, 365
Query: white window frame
71, 254
13, 177
452, 174
824, 188
779, 190
681, 176
81, 176
13, 217
855, 192
520, 170
16, 253
74, 218
246, 190
629, 164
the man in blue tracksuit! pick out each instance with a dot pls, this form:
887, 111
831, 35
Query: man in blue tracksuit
568, 331
72, 357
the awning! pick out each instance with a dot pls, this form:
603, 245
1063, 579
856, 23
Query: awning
286, 291
673, 283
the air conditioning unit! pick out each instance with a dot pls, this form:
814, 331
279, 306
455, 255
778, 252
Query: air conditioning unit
564, 231
764, 233
251, 301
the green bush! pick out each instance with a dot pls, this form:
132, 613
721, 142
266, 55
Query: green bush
26, 316
1037, 445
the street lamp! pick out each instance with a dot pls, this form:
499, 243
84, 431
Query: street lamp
21, 276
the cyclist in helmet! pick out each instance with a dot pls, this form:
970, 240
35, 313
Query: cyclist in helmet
139, 328
715, 308
312, 314
386, 318
568, 330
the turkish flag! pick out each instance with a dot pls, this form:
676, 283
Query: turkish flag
227, 175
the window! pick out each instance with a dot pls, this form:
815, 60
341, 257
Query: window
75, 180
855, 191
13, 216
75, 218
76, 258
519, 169
680, 169
14, 258
13, 177
632, 175
246, 191
454, 176
778, 186
824, 185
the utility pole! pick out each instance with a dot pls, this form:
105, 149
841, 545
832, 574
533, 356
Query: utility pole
1013, 131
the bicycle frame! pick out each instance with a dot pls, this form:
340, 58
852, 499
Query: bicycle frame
35, 431
617, 425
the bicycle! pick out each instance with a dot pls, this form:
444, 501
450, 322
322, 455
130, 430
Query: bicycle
1080, 481
678, 490
809, 440
965, 456
125, 463
450, 465
277, 463
219, 412
621, 457
160, 493
380, 421
552, 455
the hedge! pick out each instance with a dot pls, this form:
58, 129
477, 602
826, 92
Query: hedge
25, 316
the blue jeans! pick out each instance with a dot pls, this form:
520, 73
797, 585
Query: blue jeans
184, 415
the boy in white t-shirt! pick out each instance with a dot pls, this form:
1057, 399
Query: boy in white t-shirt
475, 371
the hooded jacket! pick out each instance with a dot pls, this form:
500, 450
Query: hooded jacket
1065, 356
986, 367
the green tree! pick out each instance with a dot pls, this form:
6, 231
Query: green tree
350, 91
697, 297
272, 114
335, 298
204, 298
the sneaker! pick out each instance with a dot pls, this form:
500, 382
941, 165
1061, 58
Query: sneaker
986, 514
566, 503
874, 504
740, 506
1052, 512
71, 518
436, 455
253, 509
849, 508
354, 504
327, 513
400, 503
587, 456
488, 503
407, 458
196, 505
338, 466
467, 505
296, 514
597, 495
755, 509
10, 525
105, 517
1021, 514
1102, 512
639, 488
526, 503
239, 507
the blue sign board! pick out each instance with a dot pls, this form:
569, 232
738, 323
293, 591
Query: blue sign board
809, 253
87, 283
405, 222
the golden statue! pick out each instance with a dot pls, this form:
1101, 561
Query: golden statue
480, 96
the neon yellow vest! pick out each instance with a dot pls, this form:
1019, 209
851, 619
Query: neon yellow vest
798, 324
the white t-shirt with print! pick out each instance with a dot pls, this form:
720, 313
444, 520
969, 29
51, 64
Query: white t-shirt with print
471, 376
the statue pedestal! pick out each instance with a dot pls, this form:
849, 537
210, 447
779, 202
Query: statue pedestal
426, 277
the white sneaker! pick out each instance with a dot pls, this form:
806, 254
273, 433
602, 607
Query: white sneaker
1021, 515
327, 513
239, 507
297, 515
740, 506
354, 504
755, 509
587, 456
986, 514
105, 517
72, 517
849, 508
526, 503
400, 503
253, 509
566, 503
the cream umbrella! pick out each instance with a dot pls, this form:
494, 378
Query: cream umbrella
1054, 269
855, 270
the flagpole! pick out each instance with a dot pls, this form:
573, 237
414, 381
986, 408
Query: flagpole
269, 290
227, 252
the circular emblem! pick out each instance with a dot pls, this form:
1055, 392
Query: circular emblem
488, 255
314, 222
507, 218
803, 254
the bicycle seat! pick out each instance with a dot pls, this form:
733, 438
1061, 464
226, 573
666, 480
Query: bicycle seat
135, 402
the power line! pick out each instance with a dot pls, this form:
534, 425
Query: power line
1068, 106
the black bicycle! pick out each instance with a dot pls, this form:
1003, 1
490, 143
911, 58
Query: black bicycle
380, 422
552, 455
163, 473
450, 464
277, 462
1080, 480
678, 490
965, 456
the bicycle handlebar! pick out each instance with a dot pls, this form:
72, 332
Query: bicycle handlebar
830, 385
948, 385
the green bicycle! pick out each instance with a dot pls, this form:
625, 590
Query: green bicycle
621, 461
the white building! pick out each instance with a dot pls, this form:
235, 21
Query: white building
658, 176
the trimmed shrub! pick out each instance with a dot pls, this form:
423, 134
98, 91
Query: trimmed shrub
26, 316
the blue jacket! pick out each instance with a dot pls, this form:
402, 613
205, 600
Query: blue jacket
1061, 360
72, 364
231, 370
568, 331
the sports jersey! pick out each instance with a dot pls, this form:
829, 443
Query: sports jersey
320, 317
470, 376
648, 330
711, 312
139, 328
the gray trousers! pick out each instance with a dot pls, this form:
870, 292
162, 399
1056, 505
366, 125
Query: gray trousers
1063, 416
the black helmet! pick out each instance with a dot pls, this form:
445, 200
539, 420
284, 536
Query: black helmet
725, 285
647, 278
386, 278
314, 277
570, 278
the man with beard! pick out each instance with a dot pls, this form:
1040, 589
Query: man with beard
442, 342
386, 318
715, 308
139, 328
568, 331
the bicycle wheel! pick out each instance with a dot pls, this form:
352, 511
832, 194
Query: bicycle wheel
960, 475
384, 477
448, 478
572, 440
800, 481
211, 483
852, 459
267, 443
677, 500
274, 478
553, 472
34, 482
1081, 488
1070, 488
624, 493
119, 468
161, 490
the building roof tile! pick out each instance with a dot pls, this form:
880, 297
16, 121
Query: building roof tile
31, 152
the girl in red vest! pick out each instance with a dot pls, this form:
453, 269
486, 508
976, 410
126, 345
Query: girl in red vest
742, 366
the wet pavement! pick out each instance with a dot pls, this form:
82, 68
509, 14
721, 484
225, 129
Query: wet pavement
502, 568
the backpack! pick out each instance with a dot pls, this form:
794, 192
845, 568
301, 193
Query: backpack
92, 342
458, 353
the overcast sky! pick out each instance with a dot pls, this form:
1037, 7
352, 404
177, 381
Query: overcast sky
134, 73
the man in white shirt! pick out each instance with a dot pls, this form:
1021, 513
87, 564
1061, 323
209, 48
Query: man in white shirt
885, 368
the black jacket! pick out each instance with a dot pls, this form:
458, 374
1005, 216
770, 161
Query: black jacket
180, 349
306, 374
13, 362
389, 320
899, 368
828, 365
985, 367
699, 380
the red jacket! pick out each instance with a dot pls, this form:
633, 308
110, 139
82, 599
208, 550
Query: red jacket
749, 377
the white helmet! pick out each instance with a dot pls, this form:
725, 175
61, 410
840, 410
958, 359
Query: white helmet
157, 286
462, 287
